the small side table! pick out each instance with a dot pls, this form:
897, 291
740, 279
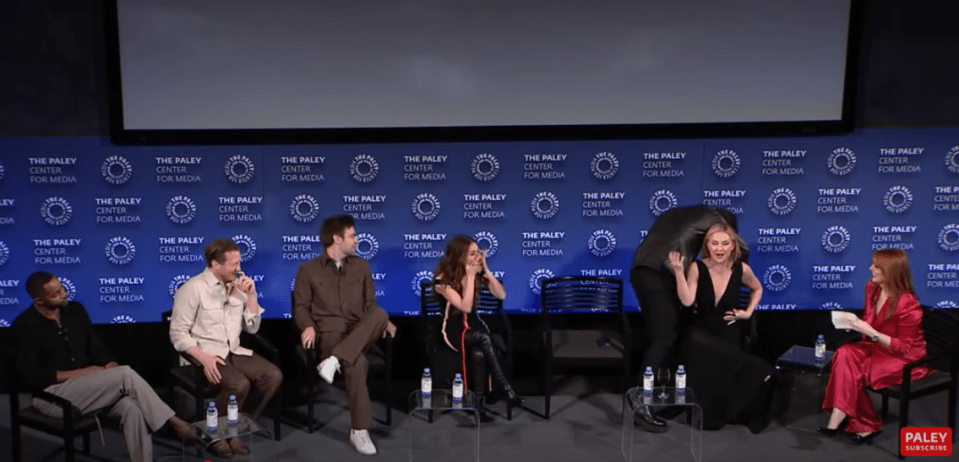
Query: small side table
677, 443
245, 428
808, 376
438, 403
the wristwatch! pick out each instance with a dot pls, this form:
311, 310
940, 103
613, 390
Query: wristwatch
874, 338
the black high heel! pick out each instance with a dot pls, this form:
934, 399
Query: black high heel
860, 440
830, 432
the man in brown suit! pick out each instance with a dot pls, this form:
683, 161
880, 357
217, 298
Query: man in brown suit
333, 298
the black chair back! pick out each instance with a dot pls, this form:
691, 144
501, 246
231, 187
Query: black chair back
941, 330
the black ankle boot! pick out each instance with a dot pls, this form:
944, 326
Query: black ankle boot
512, 398
645, 418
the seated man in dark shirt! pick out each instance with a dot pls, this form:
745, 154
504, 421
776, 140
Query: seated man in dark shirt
61, 353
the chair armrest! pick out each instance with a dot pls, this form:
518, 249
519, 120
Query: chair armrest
850, 337
53, 399
907, 369
64, 404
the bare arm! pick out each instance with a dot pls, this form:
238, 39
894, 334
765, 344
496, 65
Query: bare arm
685, 284
463, 302
63, 376
492, 283
755, 292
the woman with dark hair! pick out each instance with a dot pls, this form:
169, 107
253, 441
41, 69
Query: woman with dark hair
731, 385
891, 328
458, 277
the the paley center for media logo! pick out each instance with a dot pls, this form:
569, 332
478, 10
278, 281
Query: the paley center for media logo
116, 170
544, 205
304, 208
841, 162
364, 168
366, 246
180, 209
487, 242
56, 211
537, 278
419, 278
601, 243
120, 250
604, 165
426, 206
725, 163
239, 169
484, 167
782, 201
662, 201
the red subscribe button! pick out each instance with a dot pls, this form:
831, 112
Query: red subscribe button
925, 441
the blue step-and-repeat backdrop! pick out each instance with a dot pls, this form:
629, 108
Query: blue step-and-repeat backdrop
123, 226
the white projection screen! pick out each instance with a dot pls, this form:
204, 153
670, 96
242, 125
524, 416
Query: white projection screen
390, 70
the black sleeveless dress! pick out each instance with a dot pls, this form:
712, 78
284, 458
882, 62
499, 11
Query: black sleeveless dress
728, 382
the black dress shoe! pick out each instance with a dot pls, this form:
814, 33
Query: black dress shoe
830, 432
645, 418
859, 439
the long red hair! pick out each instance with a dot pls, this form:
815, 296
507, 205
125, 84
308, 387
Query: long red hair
897, 279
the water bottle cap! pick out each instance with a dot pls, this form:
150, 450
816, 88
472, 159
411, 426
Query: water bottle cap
680, 369
232, 397
427, 370
649, 368
820, 336
212, 404
458, 376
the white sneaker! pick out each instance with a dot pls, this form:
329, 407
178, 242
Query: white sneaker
328, 368
362, 442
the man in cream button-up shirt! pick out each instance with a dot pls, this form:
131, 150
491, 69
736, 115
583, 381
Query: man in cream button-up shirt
209, 312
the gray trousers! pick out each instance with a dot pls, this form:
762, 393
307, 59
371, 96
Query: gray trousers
128, 397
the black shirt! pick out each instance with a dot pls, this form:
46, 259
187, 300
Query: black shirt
43, 348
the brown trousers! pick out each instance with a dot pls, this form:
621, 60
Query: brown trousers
350, 348
253, 379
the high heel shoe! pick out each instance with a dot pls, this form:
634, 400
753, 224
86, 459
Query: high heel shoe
830, 432
860, 439
511, 397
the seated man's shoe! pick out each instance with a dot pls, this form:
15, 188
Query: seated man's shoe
645, 418
328, 368
221, 449
362, 443
181, 428
239, 447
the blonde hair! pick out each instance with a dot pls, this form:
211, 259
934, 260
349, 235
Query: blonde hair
722, 228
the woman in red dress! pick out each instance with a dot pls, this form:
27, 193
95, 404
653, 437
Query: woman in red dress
891, 337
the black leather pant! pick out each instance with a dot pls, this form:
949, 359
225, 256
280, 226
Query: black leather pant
484, 357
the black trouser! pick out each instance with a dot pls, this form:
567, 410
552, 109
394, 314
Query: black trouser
659, 303
484, 356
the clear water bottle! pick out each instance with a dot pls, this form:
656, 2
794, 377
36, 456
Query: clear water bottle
648, 380
212, 418
820, 349
458, 388
233, 411
681, 379
426, 383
